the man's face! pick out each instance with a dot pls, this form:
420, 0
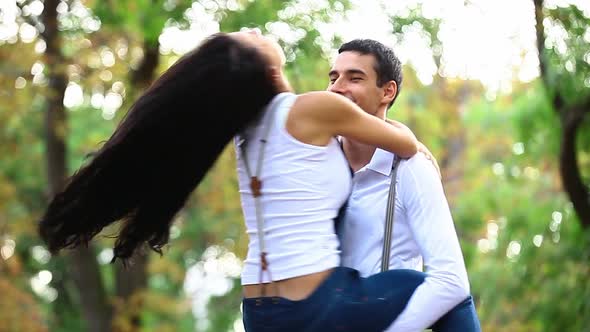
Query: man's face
353, 76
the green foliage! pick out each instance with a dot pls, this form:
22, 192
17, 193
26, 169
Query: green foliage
253, 14
146, 18
568, 52
523, 245
529, 248
498, 157
302, 19
415, 18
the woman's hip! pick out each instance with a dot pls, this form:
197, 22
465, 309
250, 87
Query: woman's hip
343, 302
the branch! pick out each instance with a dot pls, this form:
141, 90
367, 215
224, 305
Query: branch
557, 98
577, 112
540, 30
143, 76
570, 117
570, 173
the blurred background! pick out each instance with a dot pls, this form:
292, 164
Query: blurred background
499, 91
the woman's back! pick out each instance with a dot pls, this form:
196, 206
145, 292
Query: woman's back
303, 188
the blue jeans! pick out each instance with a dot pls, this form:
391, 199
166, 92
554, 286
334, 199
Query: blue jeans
461, 318
347, 302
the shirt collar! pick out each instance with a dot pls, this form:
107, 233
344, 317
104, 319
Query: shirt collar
381, 162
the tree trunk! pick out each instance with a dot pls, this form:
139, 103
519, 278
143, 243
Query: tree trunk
131, 281
143, 76
570, 118
84, 267
85, 274
568, 166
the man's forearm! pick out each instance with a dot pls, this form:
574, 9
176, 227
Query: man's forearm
433, 230
431, 300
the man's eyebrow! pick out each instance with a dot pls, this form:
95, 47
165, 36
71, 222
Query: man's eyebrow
348, 72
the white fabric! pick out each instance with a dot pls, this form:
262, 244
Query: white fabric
303, 187
423, 229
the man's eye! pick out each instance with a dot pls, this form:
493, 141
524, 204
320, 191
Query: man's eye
356, 79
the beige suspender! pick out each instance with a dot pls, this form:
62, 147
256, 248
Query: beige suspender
389, 214
256, 186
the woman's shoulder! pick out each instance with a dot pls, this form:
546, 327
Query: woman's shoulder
322, 96
322, 104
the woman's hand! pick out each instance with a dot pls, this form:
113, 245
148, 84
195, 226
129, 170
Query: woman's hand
423, 149
402, 126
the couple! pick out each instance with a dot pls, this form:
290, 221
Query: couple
293, 180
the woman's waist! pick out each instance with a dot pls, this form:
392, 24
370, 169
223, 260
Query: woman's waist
293, 250
291, 265
295, 288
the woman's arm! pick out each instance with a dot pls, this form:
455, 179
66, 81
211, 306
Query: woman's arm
318, 116
421, 147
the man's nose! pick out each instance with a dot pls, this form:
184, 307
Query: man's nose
337, 86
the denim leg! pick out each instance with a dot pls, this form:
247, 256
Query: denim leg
375, 303
461, 318
343, 303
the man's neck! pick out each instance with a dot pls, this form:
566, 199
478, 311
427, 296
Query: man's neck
358, 154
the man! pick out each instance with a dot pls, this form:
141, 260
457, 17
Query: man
368, 73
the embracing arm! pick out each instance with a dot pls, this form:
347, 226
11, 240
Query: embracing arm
322, 115
421, 147
430, 220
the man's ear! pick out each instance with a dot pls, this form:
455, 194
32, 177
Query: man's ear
389, 91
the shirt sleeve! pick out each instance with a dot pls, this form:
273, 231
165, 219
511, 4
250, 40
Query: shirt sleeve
446, 285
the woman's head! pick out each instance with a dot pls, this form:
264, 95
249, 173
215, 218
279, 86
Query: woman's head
163, 147
270, 50
266, 46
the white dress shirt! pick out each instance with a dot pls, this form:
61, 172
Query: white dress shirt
423, 234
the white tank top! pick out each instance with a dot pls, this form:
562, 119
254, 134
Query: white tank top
303, 187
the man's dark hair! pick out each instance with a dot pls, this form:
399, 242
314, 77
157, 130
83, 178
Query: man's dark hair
387, 65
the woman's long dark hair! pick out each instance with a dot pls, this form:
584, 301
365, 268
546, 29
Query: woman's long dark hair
161, 150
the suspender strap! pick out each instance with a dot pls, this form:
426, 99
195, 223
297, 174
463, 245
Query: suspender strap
256, 186
389, 214
255, 183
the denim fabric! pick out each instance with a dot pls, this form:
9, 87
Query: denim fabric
343, 302
347, 302
462, 318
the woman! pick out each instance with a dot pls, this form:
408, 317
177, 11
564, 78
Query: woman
233, 84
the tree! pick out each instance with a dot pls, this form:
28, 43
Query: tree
73, 42
85, 271
568, 91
